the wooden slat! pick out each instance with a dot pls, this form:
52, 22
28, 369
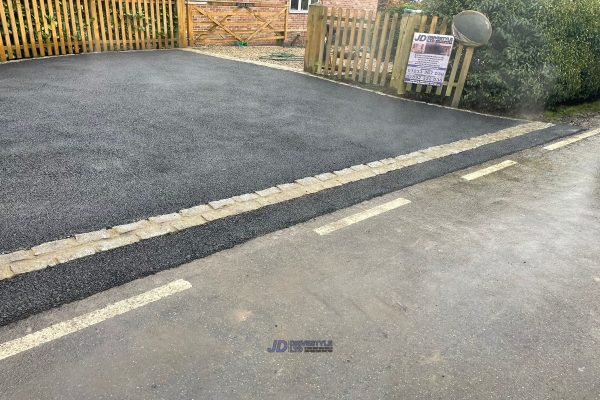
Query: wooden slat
144, 24
164, 24
359, 38
444, 31
342, 48
82, 42
453, 71
22, 27
328, 46
351, 38
128, 23
66, 29
372, 56
464, 71
140, 22
134, 26
13, 28
88, 25
363, 58
159, 23
121, 21
190, 26
94, 21
38, 30
432, 29
31, 28
2, 48
75, 42
380, 53
59, 27
336, 42
110, 44
114, 20
171, 28
152, 24
52, 25
45, 27
388, 50
101, 23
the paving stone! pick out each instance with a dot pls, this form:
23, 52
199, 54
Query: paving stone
34, 264
93, 236
159, 219
343, 172
153, 230
15, 256
331, 183
221, 203
359, 167
268, 192
196, 210
74, 253
55, 245
5, 272
311, 180
325, 177
375, 164
188, 222
245, 197
119, 241
131, 227
288, 186
220, 213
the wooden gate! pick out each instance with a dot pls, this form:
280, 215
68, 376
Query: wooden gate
242, 22
374, 49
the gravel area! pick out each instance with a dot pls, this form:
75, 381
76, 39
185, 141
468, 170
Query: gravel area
585, 120
254, 53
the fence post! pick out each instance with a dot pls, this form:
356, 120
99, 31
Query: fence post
182, 21
312, 39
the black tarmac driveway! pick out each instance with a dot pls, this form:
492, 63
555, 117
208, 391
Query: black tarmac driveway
98, 140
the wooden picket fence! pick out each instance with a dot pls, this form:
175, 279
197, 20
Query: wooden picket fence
374, 48
38, 28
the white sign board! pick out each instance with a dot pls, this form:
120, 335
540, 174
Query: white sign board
428, 61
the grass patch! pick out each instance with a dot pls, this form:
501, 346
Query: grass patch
567, 111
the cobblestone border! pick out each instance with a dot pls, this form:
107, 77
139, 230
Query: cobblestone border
86, 244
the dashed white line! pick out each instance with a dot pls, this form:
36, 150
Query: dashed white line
361, 216
56, 331
489, 170
572, 139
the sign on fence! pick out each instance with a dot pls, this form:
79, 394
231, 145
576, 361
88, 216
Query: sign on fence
429, 57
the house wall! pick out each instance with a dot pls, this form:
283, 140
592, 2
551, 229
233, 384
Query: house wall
297, 22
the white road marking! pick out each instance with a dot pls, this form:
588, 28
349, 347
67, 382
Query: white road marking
489, 170
572, 139
76, 324
361, 216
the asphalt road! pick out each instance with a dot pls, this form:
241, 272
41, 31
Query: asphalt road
99, 140
486, 289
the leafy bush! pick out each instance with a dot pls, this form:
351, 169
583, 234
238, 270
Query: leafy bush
542, 52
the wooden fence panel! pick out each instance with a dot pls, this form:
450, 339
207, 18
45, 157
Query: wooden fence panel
36, 28
351, 45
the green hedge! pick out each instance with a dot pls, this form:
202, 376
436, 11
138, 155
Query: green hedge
542, 53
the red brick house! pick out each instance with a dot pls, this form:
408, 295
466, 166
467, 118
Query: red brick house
259, 22
299, 12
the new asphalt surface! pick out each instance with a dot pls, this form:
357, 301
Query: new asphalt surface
100, 140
